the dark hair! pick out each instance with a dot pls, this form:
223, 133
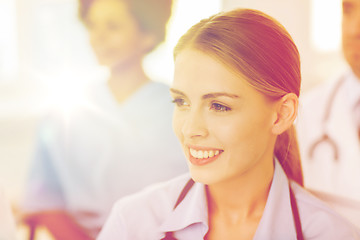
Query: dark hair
259, 49
152, 15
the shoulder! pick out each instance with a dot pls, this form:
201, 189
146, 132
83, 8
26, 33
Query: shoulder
159, 86
156, 96
312, 108
319, 221
81, 106
320, 92
147, 208
158, 90
162, 194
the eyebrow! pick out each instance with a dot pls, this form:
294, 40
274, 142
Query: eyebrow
347, 4
176, 91
209, 95
219, 94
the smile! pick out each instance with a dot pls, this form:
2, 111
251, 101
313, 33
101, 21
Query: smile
200, 154
200, 157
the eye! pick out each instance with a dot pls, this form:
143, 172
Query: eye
180, 102
347, 8
217, 107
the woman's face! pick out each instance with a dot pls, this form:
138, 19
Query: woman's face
114, 33
223, 124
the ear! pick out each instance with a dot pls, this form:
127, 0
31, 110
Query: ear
286, 112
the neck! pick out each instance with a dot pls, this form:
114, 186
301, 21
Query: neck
240, 199
125, 81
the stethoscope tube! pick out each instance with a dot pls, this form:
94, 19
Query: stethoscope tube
325, 137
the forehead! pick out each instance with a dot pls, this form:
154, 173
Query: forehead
197, 70
108, 8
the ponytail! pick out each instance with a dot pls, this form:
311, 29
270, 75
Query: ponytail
287, 152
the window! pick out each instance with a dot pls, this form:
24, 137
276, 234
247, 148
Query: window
8, 41
326, 25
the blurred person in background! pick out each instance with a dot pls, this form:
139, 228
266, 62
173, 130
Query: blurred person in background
116, 142
328, 124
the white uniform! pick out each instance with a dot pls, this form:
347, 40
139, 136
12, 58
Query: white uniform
100, 151
322, 169
149, 214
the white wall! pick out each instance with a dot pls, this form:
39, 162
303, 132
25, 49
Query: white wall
296, 15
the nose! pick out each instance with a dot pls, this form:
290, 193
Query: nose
194, 125
98, 36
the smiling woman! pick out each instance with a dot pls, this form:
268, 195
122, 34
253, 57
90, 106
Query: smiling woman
236, 87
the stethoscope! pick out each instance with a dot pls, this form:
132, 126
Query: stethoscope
325, 137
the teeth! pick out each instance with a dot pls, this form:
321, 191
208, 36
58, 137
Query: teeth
193, 152
211, 153
203, 154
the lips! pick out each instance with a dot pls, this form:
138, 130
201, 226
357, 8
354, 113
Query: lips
201, 157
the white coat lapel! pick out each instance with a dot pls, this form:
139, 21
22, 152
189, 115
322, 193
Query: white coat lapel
342, 130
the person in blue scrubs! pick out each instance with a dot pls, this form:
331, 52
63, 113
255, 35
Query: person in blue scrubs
236, 87
118, 139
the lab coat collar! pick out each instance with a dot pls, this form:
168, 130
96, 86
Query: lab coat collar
192, 210
352, 89
277, 214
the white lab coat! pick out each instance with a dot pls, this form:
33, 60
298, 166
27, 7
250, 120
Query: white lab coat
322, 171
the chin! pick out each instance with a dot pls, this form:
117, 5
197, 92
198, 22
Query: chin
105, 63
203, 176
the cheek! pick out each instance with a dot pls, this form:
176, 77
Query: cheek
232, 128
235, 135
93, 39
345, 37
242, 135
117, 41
130, 46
